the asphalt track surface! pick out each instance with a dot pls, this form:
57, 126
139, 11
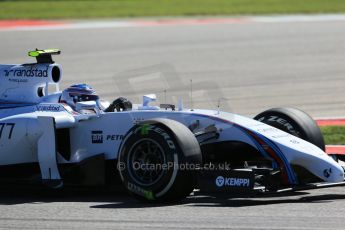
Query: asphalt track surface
251, 66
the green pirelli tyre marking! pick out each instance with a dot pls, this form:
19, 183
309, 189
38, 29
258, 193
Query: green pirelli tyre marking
145, 129
149, 195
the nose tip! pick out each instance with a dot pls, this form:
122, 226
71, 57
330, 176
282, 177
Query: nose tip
337, 174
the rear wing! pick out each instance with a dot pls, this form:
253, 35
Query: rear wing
44, 56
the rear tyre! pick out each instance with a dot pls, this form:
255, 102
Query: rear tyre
157, 161
295, 122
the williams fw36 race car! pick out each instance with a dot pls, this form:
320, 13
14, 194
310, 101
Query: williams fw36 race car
158, 153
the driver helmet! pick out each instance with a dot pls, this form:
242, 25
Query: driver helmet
77, 93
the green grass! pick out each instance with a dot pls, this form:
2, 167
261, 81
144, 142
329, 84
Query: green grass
68, 9
334, 135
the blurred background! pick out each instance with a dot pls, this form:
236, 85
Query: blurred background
243, 56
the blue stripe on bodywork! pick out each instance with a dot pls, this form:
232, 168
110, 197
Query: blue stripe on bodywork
291, 175
257, 144
13, 105
280, 154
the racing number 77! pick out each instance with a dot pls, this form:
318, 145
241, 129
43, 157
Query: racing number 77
3, 128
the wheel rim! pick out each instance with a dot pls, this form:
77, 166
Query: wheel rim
146, 162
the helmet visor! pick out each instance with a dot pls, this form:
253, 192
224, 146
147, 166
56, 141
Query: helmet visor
78, 98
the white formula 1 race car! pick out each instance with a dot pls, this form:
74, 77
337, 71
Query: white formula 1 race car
158, 153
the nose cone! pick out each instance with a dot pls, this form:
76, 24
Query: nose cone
335, 173
326, 168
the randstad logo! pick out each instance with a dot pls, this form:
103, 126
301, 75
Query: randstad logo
26, 72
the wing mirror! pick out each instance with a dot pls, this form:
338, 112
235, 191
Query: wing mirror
146, 100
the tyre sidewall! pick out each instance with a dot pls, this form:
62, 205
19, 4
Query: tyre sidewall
168, 143
295, 122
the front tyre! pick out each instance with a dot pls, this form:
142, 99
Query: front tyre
158, 160
295, 122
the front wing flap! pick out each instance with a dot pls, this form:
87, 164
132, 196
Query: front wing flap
244, 182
